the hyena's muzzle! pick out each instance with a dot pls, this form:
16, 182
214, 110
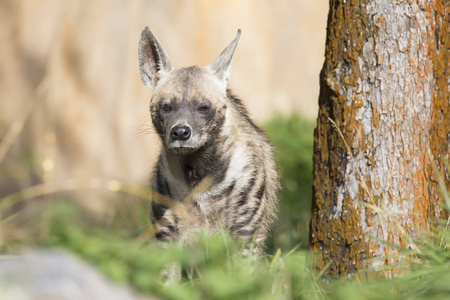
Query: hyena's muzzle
180, 133
187, 125
181, 138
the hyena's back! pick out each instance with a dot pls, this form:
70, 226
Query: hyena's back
216, 167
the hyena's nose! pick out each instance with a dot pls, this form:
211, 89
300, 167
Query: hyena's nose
180, 133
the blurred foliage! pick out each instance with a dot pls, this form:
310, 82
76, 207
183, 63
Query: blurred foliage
215, 269
293, 139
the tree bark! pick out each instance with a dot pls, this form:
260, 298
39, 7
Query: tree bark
385, 84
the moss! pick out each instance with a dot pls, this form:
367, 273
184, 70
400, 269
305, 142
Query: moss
338, 240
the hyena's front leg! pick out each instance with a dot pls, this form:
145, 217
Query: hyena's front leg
165, 225
164, 220
176, 221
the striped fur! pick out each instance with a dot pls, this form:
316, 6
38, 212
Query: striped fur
224, 174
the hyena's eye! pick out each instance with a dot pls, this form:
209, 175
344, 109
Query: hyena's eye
203, 108
167, 108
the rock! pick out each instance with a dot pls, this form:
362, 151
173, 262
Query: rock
51, 274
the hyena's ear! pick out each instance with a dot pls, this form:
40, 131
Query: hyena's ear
153, 60
221, 65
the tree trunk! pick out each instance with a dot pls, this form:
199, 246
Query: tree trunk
385, 84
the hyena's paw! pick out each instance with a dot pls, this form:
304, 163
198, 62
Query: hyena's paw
171, 274
252, 251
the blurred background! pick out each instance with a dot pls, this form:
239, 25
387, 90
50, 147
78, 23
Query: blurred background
74, 120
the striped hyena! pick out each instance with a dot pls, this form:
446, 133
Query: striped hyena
216, 166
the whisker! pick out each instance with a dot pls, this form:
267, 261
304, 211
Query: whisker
145, 130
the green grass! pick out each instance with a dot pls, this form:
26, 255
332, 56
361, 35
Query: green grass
118, 245
215, 268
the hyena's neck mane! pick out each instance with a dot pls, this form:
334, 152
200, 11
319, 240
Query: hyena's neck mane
241, 111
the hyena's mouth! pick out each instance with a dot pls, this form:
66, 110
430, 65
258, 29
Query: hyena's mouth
181, 148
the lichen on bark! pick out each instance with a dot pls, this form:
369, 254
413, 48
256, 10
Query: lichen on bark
383, 83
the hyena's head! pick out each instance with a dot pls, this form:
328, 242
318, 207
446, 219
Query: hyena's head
189, 105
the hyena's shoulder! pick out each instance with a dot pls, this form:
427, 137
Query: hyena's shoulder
252, 185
